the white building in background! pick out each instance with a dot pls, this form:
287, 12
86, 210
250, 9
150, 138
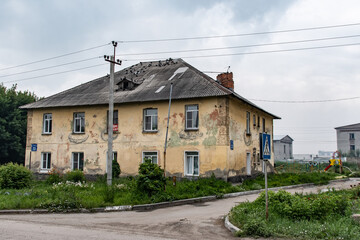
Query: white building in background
283, 147
348, 138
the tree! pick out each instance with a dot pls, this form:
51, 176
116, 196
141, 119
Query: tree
13, 122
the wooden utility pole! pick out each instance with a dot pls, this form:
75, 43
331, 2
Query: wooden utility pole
111, 114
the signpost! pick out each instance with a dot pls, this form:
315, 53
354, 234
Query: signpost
265, 152
33, 149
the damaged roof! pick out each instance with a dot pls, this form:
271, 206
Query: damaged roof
152, 83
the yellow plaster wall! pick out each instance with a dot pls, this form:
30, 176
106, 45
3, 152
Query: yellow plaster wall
211, 140
244, 143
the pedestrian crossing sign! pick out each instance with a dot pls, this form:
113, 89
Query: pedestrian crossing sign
265, 146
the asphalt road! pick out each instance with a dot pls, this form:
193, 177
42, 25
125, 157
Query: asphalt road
193, 221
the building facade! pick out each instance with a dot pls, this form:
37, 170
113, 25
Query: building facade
212, 130
348, 138
283, 147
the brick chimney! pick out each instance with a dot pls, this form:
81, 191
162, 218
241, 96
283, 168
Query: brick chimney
226, 79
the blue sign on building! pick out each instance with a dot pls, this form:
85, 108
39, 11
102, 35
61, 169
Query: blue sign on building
231, 145
33, 147
265, 146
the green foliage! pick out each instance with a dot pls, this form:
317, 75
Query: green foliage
151, 178
13, 124
55, 176
75, 176
115, 169
14, 176
322, 216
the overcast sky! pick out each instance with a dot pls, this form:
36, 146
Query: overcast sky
40, 29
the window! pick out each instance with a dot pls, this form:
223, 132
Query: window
150, 120
284, 148
115, 121
77, 161
45, 160
247, 123
254, 120
150, 155
192, 117
352, 147
352, 136
191, 163
114, 155
79, 122
263, 125
47, 123
258, 123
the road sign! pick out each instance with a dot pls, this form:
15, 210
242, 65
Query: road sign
265, 146
33, 147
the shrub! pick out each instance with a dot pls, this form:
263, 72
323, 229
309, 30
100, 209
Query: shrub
14, 176
115, 169
151, 178
75, 176
54, 176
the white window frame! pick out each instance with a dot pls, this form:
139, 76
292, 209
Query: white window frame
248, 123
194, 126
47, 123
263, 125
81, 120
186, 170
45, 156
152, 160
78, 163
152, 119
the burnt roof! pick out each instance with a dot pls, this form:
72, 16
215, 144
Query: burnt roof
153, 80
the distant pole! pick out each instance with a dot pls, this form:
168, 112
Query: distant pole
167, 130
111, 114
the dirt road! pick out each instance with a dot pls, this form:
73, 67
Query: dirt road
194, 221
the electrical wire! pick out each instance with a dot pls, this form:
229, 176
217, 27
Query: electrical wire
243, 46
54, 66
250, 53
51, 74
237, 35
306, 101
51, 58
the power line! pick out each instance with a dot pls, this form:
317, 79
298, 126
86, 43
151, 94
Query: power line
251, 53
306, 101
237, 35
51, 58
243, 46
54, 66
51, 74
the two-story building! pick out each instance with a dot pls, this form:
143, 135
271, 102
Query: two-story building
212, 129
348, 138
283, 147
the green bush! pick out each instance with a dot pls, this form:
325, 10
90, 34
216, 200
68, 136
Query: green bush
54, 176
14, 176
115, 169
75, 176
151, 178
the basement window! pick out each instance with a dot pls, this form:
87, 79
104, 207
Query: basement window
78, 161
191, 163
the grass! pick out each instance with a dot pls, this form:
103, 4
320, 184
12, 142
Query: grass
61, 197
300, 216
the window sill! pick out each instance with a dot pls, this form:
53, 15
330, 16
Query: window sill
46, 134
78, 133
44, 171
145, 131
191, 129
115, 132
